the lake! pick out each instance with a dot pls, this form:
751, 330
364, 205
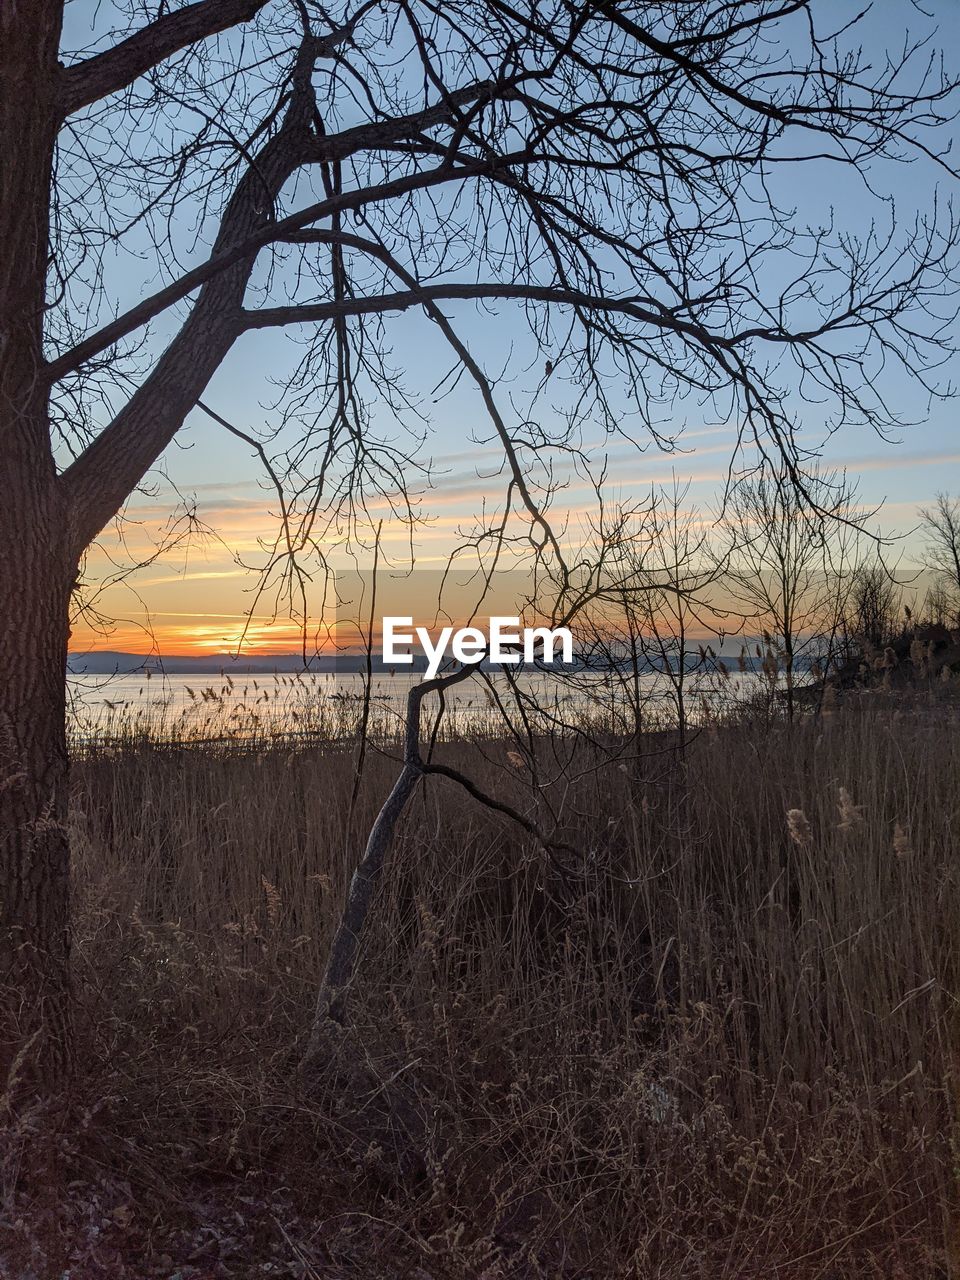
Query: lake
331, 705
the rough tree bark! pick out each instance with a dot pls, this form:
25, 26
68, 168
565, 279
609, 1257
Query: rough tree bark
35, 999
37, 571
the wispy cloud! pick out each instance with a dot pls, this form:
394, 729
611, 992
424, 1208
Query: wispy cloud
190, 575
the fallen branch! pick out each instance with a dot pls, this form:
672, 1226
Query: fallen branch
342, 961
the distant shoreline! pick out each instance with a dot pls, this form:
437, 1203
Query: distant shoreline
105, 662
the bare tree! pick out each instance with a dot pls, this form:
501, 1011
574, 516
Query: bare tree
676, 615
788, 549
654, 610
941, 525
606, 168
875, 609
939, 606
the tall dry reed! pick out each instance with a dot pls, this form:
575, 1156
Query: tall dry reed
721, 1043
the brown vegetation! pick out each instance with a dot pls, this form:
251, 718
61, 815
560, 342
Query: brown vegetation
722, 1045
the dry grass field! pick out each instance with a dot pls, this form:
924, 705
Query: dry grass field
720, 1042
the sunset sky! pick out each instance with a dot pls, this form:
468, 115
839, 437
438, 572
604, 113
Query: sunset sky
198, 596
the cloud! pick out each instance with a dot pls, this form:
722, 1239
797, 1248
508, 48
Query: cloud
191, 576
894, 460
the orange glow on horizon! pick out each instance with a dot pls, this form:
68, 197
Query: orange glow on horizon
202, 598
202, 637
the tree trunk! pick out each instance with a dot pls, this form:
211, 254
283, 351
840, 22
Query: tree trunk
788, 661
36, 573
35, 994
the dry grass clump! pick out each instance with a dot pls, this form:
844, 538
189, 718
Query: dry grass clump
721, 1045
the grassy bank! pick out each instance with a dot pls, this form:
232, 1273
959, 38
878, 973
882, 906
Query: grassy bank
720, 1042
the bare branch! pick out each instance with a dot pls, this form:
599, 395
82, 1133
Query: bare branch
105, 73
314, 150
